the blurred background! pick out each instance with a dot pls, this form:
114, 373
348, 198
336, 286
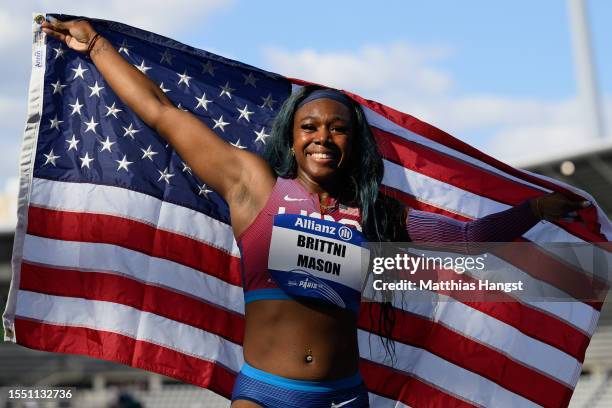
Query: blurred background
526, 82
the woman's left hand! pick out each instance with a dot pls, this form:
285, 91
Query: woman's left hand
555, 205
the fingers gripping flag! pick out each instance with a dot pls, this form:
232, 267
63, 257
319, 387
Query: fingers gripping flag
121, 253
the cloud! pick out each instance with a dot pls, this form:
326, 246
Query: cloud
12, 121
408, 78
369, 70
561, 130
163, 17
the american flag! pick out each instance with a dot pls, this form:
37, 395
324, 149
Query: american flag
121, 253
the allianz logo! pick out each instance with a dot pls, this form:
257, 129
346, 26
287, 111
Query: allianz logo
343, 232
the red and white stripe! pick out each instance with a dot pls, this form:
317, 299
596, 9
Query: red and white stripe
124, 276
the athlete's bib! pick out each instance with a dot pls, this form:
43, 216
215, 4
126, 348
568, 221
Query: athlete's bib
318, 259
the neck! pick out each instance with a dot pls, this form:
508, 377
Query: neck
325, 190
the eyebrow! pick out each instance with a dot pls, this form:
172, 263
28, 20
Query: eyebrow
337, 117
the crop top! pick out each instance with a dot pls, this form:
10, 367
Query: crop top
292, 214
288, 204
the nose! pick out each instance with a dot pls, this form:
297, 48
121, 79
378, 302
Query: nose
323, 136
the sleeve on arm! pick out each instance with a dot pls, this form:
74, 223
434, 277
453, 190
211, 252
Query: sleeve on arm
502, 226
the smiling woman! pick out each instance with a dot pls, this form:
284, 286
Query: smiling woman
317, 190
322, 138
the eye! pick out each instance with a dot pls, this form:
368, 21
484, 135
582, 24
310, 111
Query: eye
308, 127
339, 129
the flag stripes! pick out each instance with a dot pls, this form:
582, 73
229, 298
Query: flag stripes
115, 230
487, 362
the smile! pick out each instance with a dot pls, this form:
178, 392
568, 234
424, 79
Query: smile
321, 156
325, 159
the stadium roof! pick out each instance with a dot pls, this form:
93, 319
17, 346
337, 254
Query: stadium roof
588, 167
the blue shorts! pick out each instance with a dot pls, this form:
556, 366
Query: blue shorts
272, 391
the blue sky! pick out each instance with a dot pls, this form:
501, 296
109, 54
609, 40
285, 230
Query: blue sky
498, 75
512, 48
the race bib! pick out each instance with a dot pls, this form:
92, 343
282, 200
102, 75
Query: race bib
318, 259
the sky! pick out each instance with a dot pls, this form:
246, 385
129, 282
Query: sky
498, 75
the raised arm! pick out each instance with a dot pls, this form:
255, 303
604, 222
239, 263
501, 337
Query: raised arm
228, 170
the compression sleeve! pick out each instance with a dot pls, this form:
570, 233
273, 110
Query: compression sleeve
502, 226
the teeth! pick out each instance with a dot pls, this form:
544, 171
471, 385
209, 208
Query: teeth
321, 155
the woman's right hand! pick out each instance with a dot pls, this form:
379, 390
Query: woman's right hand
77, 34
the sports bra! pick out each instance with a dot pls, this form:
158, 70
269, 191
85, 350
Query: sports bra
292, 249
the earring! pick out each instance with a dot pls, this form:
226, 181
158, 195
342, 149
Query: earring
292, 152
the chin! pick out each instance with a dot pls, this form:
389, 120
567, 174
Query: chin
325, 174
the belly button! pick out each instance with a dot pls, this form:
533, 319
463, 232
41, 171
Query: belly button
309, 357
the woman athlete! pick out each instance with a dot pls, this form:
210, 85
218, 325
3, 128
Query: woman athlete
322, 162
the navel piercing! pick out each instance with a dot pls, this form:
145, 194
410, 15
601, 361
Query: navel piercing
309, 357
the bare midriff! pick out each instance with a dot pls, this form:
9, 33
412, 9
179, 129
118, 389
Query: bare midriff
281, 335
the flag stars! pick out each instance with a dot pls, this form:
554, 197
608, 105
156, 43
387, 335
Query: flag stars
166, 56
106, 145
186, 168
78, 72
184, 78
226, 90
58, 87
55, 123
142, 67
85, 160
245, 113
208, 68
76, 107
91, 125
59, 52
219, 123
73, 143
238, 145
268, 101
179, 106
261, 135
250, 80
148, 153
165, 90
95, 90
51, 158
130, 131
203, 190
125, 48
202, 102
123, 163
112, 110
165, 175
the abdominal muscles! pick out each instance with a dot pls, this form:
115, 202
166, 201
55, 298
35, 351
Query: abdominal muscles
301, 339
